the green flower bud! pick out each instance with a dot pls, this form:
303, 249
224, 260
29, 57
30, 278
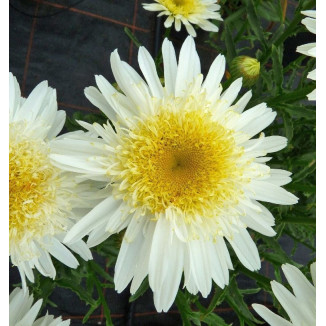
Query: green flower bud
246, 67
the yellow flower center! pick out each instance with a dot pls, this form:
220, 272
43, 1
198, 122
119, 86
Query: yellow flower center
182, 7
32, 187
179, 159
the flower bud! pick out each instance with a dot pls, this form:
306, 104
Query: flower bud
246, 67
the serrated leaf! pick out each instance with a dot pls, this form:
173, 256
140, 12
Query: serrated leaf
277, 67
230, 47
288, 126
254, 21
78, 289
309, 169
235, 300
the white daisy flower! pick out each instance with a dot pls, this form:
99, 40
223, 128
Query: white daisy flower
310, 48
41, 196
187, 12
22, 311
300, 306
184, 173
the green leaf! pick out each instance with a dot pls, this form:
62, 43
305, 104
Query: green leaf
254, 21
309, 169
90, 311
132, 37
269, 11
235, 300
288, 126
307, 112
78, 289
230, 47
141, 290
213, 320
277, 67
291, 96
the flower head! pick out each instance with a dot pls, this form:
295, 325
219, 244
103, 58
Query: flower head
300, 306
41, 196
183, 174
246, 67
187, 12
310, 48
22, 311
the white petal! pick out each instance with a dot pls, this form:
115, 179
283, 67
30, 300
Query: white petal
94, 218
188, 67
97, 99
33, 103
265, 191
302, 288
128, 258
147, 66
246, 249
270, 317
242, 102
60, 252
31, 315
158, 269
57, 124
170, 66
214, 76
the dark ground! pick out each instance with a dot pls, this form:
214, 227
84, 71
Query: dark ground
68, 42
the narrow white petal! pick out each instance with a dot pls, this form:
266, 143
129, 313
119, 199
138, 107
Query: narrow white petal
214, 76
302, 288
147, 66
170, 66
128, 259
188, 67
60, 252
246, 249
242, 102
157, 267
94, 218
265, 191
29, 318
269, 316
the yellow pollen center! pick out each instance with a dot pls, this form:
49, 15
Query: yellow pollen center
181, 7
32, 187
183, 160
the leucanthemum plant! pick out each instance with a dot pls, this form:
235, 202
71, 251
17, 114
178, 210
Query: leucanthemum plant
22, 311
184, 174
188, 13
44, 202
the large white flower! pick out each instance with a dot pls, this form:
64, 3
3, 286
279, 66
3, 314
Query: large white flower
300, 306
22, 311
187, 12
184, 173
309, 49
42, 198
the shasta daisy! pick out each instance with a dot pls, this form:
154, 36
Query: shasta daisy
183, 174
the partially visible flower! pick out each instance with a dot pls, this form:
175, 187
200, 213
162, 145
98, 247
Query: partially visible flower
300, 306
22, 311
183, 174
246, 67
187, 12
309, 49
42, 198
